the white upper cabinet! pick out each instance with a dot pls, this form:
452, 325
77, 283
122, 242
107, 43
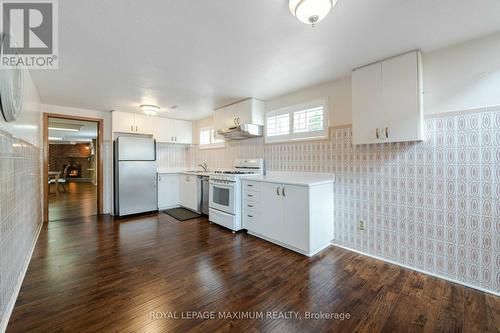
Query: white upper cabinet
387, 100
143, 124
183, 131
125, 122
248, 111
163, 130
172, 130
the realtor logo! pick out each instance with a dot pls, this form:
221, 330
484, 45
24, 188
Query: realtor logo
29, 34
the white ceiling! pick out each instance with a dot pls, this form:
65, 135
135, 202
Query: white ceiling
87, 132
203, 54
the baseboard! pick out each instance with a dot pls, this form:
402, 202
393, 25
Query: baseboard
418, 270
12, 302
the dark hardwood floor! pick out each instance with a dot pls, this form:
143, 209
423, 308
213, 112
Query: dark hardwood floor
80, 200
96, 274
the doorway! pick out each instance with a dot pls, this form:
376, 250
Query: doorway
72, 166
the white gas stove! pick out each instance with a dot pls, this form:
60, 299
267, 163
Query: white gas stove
225, 192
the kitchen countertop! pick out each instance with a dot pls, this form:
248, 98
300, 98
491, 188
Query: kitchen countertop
187, 171
296, 178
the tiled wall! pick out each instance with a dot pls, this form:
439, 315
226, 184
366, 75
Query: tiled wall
432, 205
20, 213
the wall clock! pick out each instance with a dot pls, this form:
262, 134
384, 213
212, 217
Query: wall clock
11, 92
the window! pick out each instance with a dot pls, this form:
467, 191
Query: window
308, 121
210, 139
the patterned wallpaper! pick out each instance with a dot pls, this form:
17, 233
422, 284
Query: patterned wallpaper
431, 205
20, 214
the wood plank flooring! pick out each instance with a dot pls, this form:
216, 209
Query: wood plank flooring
80, 200
96, 274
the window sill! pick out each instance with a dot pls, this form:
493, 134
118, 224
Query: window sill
314, 138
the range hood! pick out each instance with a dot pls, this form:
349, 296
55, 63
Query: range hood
240, 132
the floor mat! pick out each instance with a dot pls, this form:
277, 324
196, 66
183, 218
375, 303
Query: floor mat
181, 214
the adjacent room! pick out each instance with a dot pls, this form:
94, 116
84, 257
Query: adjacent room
250, 166
72, 168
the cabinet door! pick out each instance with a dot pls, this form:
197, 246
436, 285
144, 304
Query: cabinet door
220, 119
168, 191
401, 104
183, 131
189, 192
271, 211
367, 109
143, 124
163, 130
242, 112
295, 229
122, 122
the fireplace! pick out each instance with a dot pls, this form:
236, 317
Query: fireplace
74, 171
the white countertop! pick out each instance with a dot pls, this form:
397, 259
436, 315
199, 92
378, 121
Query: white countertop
296, 178
188, 171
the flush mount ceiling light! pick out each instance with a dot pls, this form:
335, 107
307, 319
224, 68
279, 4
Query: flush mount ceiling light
150, 110
311, 11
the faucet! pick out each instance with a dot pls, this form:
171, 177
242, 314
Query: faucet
203, 166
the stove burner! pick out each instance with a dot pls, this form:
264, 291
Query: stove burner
233, 172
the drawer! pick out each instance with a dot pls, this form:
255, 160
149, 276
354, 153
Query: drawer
250, 220
251, 205
251, 185
251, 195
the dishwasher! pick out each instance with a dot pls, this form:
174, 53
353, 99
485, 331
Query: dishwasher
203, 191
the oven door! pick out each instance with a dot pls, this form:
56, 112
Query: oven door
222, 196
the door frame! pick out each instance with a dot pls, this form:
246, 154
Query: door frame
100, 135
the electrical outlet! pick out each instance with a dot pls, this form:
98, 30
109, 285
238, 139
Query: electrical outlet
361, 225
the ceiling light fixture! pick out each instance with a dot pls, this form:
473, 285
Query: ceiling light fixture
65, 127
311, 11
150, 110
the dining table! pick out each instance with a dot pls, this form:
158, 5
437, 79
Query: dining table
55, 175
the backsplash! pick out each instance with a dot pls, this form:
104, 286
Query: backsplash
431, 205
171, 155
20, 213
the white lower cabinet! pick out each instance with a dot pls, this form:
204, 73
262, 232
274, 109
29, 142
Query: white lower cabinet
188, 189
297, 217
168, 190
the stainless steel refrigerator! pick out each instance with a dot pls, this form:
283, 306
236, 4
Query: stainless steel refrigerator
135, 188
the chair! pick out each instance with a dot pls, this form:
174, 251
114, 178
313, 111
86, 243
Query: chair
61, 180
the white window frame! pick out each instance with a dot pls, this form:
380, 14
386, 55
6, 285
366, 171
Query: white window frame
211, 145
304, 136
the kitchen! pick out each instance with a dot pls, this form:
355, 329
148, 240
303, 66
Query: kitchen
333, 160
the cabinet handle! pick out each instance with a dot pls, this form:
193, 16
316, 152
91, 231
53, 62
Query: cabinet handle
283, 191
136, 129
159, 178
278, 190
250, 215
175, 139
376, 133
132, 128
251, 206
386, 132
250, 195
249, 185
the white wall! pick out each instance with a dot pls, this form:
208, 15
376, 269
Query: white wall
463, 76
458, 77
27, 127
107, 145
